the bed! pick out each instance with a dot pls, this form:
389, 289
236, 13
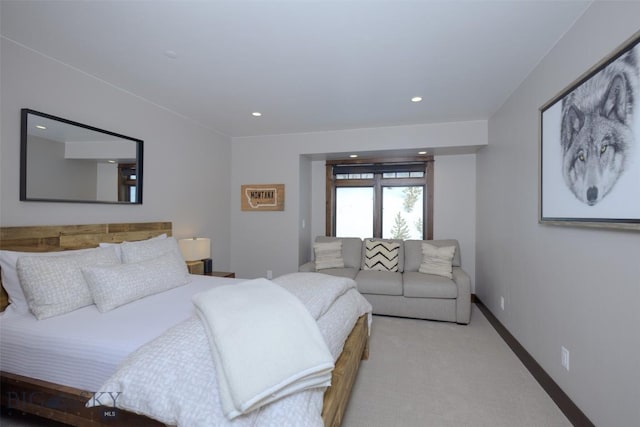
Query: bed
28, 392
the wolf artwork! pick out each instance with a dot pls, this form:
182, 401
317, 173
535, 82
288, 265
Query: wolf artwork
597, 132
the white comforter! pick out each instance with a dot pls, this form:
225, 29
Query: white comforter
173, 378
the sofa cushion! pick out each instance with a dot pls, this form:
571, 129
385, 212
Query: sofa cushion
351, 249
328, 255
379, 282
380, 255
413, 252
420, 285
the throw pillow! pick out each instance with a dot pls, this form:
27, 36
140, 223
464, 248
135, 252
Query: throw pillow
148, 249
10, 280
380, 255
116, 285
55, 285
119, 245
437, 260
328, 255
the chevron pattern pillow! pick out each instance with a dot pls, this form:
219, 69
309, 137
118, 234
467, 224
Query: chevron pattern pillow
381, 255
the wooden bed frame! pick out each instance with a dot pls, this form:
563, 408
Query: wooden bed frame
66, 404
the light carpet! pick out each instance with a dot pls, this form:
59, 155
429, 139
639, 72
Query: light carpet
424, 373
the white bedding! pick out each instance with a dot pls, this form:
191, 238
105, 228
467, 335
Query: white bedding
83, 348
173, 378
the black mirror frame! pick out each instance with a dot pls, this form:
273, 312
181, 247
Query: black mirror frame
23, 159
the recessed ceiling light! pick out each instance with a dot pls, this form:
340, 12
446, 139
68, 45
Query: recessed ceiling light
111, 161
422, 152
256, 114
171, 54
416, 99
41, 127
353, 156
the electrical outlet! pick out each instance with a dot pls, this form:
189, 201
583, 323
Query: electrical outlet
269, 274
565, 358
502, 303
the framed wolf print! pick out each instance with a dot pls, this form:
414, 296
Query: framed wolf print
590, 146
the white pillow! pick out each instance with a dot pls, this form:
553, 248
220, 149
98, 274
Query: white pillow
328, 255
380, 255
117, 245
55, 285
113, 286
437, 260
10, 280
149, 249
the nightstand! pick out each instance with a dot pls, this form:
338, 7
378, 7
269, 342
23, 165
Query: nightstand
221, 274
195, 267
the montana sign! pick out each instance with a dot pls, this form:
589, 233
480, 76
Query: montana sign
262, 197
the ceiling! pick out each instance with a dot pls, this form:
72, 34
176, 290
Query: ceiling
307, 66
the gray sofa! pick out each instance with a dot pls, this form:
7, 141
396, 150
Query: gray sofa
406, 293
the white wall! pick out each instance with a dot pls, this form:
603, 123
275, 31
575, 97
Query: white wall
454, 215
265, 240
276, 240
305, 205
572, 287
107, 180
186, 166
48, 169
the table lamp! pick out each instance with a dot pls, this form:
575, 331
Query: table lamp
197, 250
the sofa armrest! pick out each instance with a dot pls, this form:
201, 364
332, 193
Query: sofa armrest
463, 302
309, 267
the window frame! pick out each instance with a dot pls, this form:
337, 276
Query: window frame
378, 182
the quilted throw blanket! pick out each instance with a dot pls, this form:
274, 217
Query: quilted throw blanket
173, 378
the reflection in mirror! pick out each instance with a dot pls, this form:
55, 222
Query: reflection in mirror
61, 160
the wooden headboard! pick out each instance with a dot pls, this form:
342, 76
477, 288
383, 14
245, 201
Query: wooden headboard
51, 238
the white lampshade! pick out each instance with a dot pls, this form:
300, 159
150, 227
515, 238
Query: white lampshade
195, 249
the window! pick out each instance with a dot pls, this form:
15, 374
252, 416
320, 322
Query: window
127, 182
388, 198
354, 211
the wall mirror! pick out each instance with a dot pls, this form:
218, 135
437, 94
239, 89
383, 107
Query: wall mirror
65, 161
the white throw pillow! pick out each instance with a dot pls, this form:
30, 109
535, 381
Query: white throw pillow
116, 285
149, 249
380, 255
328, 255
437, 260
118, 245
54, 285
10, 280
